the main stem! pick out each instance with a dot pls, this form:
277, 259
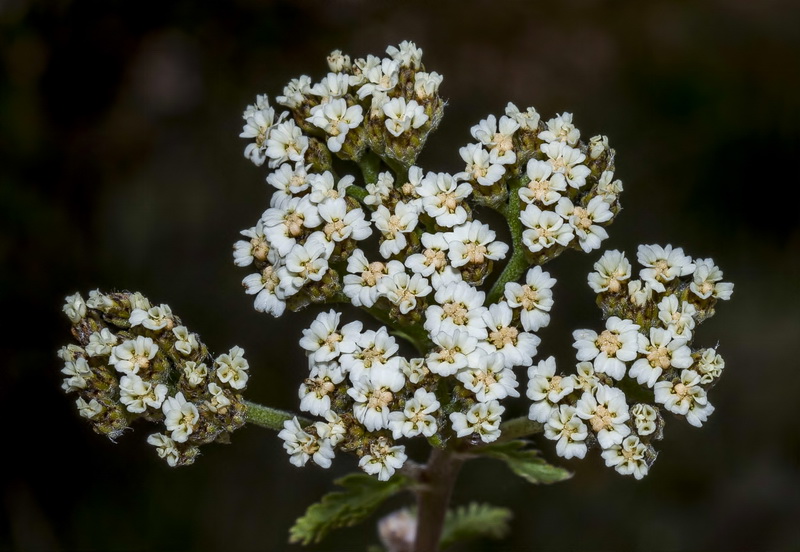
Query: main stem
517, 264
436, 486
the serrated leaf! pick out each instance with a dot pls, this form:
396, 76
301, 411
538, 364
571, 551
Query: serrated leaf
475, 521
362, 494
526, 463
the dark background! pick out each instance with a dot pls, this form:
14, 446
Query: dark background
120, 168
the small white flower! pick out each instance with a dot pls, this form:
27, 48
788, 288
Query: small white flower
219, 401
544, 186
156, 318
284, 225
460, 307
645, 418
455, 352
324, 342
443, 198
89, 410
180, 417
606, 411
373, 396
315, 392
627, 457
584, 221
304, 263
709, 365
403, 290
259, 121
133, 355
185, 342
474, 243
479, 167
608, 188
195, 373
75, 308
662, 264
99, 301
706, 281
77, 371
137, 394
597, 145
265, 285
100, 343
432, 262
340, 224
286, 143
406, 54
482, 419
323, 187
518, 348
402, 116
685, 396
383, 460
544, 229
332, 429
414, 369
585, 378
677, 318
302, 446
338, 62
610, 350
379, 192
567, 161
375, 350
381, 75
498, 138
416, 417
336, 119
546, 389
394, 227
662, 352
561, 129
257, 247
488, 377
640, 293
361, 282
534, 299
295, 93
165, 447
612, 270
289, 180
332, 86
527, 120
232, 368
426, 85
566, 427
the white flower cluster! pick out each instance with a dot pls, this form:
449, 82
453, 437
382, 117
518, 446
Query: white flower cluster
644, 348
317, 243
135, 360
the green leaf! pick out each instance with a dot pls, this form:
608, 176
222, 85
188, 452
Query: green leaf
475, 521
526, 463
362, 494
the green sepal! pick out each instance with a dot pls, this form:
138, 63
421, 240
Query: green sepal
525, 462
475, 521
362, 494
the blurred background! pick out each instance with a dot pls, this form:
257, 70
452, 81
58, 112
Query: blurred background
121, 168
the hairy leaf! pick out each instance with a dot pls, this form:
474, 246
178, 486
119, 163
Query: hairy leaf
475, 521
526, 463
362, 494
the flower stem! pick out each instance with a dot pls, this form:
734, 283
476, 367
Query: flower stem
433, 496
517, 264
370, 166
270, 418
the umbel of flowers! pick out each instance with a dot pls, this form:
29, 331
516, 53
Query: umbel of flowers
407, 245
134, 360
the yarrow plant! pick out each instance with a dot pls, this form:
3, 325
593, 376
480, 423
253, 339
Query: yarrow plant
353, 219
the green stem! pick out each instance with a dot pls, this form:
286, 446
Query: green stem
437, 480
517, 264
519, 427
270, 418
370, 166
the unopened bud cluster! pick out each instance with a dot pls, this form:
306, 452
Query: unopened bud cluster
640, 365
432, 254
134, 360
